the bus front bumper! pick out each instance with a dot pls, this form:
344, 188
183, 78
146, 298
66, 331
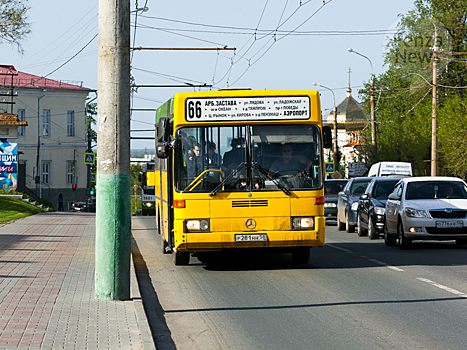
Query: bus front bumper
208, 241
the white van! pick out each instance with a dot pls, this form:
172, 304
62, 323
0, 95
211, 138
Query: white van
391, 168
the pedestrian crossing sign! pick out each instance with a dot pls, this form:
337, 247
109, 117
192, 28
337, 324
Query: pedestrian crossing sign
93, 177
89, 158
329, 167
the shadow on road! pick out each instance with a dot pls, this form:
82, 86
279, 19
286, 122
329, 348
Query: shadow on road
153, 309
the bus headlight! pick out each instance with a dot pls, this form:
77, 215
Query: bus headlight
303, 223
197, 225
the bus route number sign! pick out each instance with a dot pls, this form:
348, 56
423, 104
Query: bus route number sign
247, 108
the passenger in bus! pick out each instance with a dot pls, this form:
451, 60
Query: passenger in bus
288, 164
235, 156
213, 156
193, 162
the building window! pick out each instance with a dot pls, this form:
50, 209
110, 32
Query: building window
21, 118
46, 123
70, 123
70, 171
46, 172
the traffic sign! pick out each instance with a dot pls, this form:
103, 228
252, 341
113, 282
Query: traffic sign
337, 175
329, 167
93, 177
89, 158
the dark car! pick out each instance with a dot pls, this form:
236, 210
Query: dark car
347, 203
78, 206
331, 189
90, 205
371, 206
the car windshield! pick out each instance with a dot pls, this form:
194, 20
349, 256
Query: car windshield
359, 187
384, 188
248, 158
436, 190
333, 187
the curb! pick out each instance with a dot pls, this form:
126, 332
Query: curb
146, 336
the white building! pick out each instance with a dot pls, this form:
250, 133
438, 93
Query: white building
51, 148
351, 120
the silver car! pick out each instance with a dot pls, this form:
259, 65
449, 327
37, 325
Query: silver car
426, 208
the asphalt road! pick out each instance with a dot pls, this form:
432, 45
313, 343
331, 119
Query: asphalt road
353, 294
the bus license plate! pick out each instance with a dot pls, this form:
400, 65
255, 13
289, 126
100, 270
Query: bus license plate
261, 237
450, 224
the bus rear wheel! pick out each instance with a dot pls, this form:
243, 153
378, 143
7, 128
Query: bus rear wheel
181, 258
301, 255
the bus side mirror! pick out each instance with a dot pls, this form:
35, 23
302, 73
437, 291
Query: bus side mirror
162, 150
327, 137
163, 130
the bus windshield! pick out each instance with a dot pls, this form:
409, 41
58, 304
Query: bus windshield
248, 158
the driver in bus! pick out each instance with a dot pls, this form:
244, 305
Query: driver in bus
288, 164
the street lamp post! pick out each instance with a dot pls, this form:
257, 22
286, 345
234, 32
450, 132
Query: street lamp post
434, 104
336, 149
372, 104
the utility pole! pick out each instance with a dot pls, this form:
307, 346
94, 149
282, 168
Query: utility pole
374, 148
434, 103
434, 111
113, 209
335, 144
372, 115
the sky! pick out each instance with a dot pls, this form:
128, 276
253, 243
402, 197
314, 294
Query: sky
280, 44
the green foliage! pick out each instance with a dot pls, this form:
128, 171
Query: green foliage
91, 113
404, 97
135, 183
13, 19
14, 209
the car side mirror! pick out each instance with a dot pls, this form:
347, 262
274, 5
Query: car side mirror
394, 196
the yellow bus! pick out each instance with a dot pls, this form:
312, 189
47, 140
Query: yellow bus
240, 169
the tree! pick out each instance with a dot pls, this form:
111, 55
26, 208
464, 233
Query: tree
135, 183
404, 99
91, 112
13, 21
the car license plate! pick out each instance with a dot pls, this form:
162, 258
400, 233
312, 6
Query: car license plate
260, 237
450, 224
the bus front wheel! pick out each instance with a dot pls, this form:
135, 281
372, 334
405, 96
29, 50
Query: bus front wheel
181, 258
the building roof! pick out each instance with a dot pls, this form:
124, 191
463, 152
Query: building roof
350, 115
10, 77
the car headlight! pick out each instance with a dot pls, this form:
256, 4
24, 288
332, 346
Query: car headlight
197, 225
330, 205
380, 211
303, 223
415, 213
354, 206
149, 204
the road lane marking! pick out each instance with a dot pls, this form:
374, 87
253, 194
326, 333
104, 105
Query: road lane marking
383, 264
339, 248
440, 286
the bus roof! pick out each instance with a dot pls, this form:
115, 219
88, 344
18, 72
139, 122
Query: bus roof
243, 106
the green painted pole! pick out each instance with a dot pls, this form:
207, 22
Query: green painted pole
113, 205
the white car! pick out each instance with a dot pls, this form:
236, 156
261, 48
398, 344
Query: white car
426, 208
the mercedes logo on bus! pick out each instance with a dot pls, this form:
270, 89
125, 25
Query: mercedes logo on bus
250, 224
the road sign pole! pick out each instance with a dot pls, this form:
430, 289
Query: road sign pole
113, 207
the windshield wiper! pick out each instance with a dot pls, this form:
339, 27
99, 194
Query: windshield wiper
232, 174
276, 182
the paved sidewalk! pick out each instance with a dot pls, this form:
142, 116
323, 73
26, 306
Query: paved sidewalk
47, 289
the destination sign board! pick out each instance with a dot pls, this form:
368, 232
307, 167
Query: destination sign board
247, 108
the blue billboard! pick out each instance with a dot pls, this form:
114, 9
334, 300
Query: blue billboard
8, 164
